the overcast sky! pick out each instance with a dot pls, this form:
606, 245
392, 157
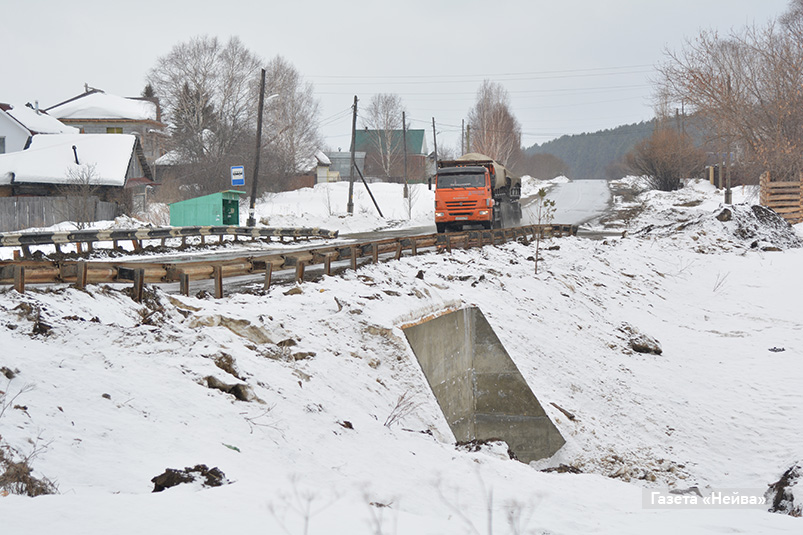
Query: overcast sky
570, 66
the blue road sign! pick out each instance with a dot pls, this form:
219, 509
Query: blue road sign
237, 175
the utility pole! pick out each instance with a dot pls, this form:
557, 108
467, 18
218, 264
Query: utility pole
468, 137
728, 192
350, 205
251, 216
435, 141
404, 141
462, 137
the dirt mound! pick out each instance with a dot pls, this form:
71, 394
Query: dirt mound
733, 227
782, 493
207, 477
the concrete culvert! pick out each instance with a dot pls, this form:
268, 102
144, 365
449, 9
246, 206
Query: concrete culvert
479, 388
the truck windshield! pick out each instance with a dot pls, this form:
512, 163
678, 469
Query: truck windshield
473, 180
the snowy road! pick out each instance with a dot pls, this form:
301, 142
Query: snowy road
579, 201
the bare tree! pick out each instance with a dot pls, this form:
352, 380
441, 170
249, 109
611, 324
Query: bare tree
542, 213
383, 116
80, 192
747, 86
495, 132
665, 158
291, 120
206, 90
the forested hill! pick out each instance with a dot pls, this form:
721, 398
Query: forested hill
596, 154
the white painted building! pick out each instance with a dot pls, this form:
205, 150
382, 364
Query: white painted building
19, 123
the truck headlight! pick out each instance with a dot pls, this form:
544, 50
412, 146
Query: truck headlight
483, 212
438, 214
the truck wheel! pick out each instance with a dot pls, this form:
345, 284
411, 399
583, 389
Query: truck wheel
441, 227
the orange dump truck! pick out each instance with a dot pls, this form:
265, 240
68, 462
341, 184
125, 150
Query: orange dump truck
475, 190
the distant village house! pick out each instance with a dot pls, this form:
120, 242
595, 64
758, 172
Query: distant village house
96, 112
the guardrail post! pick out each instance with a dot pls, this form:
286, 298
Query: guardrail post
19, 279
184, 284
268, 275
415, 247
218, 273
398, 250
26, 251
80, 274
327, 265
449, 243
374, 253
58, 248
353, 257
300, 272
139, 284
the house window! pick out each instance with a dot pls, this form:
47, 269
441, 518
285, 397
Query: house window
2, 145
114, 129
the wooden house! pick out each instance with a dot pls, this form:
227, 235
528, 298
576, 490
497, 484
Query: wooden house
96, 112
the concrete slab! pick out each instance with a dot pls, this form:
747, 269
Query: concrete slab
479, 388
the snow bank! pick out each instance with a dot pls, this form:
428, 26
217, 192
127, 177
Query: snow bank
325, 206
121, 394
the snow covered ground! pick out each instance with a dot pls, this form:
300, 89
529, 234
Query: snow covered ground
119, 390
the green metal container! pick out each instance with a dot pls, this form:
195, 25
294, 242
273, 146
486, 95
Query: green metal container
216, 209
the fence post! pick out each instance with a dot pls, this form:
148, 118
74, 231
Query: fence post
19, 279
268, 275
139, 284
218, 272
80, 274
184, 284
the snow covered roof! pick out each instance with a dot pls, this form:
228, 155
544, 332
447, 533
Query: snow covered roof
50, 159
323, 159
39, 122
98, 105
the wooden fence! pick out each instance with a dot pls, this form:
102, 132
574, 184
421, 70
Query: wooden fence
18, 213
786, 198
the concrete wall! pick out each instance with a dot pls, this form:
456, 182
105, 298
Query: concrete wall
478, 387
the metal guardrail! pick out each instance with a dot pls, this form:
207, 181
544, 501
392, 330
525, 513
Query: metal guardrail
82, 272
25, 240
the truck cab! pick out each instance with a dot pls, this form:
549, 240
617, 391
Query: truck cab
463, 196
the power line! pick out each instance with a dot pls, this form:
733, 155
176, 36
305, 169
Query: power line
473, 94
476, 80
483, 75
